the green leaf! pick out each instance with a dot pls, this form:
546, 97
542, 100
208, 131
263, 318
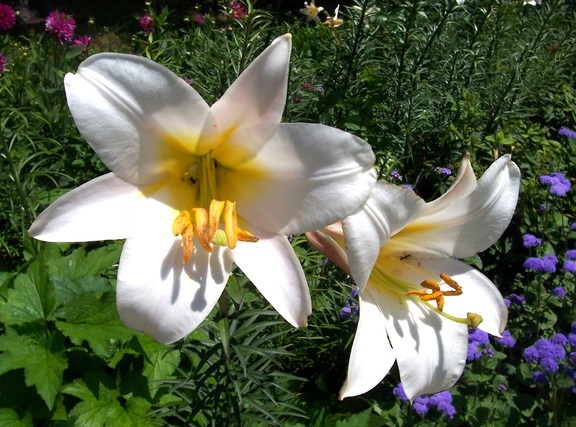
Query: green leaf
79, 264
9, 417
101, 404
357, 420
159, 363
41, 357
31, 299
93, 318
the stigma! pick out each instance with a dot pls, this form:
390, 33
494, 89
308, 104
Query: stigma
205, 225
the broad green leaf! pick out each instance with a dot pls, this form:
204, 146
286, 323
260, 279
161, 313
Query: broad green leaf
67, 289
101, 404
93, 318
9, 417
79, 264
160, 361
30, 299
41, 357
356, 420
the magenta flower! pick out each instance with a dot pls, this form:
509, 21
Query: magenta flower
82, 41
7, 17
2, 63
61, 25
237, 10
146, 23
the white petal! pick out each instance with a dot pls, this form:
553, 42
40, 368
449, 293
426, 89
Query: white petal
372, 356
274, 269
159, 295
430, 350
104, 208
109, 208
251, 109
388, 209
472, 224
143, 121
304, 178
479, 294
463, 185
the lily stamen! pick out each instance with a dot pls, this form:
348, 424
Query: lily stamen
437, 294
205, 223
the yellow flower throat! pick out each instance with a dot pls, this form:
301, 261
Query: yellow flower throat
204, 221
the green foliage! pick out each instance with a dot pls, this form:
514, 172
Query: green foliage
421, 81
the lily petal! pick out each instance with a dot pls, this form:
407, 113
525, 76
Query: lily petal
260, 91
102, 209
463, 185
109, 208
479, 294
326, 245
388, 209
430, 350
372, 356
324, 175
274, 269
472, 224
158, 295
156, 120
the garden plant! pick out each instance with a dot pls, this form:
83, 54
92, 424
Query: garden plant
270, 213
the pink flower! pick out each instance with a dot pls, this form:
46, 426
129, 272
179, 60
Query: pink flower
82, 40
237, 10
199, 19
146, 23
61, 25
7, 17
2, 63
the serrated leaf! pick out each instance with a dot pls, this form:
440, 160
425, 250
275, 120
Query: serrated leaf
159, 363
357, 420
9, 417
30, 299
93, 318
79, 264
41, 357
100, 405
66, 289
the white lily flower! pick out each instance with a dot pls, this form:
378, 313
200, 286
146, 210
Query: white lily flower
416, 299
178, 166
311, 11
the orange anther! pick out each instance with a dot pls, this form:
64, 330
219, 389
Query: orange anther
201, 222
216, 208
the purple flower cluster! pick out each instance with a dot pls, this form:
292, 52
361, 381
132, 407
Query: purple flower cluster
506, 340
531, 241
564, 131
514, 299
396, 175
552, 356
443, 171
570, 261
546, 264
61, 25
423, 404
146, 24
7, 17
350, 309
559, 184
478, 345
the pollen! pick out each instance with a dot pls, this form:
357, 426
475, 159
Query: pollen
205, 224
437, 294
